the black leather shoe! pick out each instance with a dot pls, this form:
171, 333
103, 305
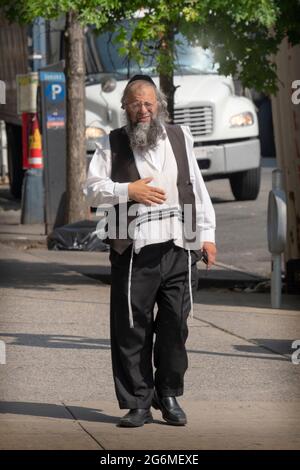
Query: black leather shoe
171, 411
136, 417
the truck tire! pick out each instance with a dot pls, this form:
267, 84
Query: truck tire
14, 158
245, 185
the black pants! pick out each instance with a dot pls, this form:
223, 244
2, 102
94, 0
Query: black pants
159, 275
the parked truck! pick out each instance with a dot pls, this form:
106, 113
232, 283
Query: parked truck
224, 125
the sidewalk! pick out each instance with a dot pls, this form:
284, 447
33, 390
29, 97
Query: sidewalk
241, 391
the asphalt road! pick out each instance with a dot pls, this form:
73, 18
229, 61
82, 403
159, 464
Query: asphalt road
242, 225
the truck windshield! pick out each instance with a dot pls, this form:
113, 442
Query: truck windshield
102, 57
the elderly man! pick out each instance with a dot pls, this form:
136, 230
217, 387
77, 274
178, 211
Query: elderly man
150, 164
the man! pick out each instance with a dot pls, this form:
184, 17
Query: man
151, 166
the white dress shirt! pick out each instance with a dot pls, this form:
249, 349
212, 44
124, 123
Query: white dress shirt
100, 189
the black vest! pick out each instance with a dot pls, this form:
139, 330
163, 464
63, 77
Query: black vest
124, 170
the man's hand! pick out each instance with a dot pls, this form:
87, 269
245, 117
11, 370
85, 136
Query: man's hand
140, 191
211, 250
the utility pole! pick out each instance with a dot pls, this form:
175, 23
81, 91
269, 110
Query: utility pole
286, 120
32, 211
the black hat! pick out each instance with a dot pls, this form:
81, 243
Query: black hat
146, 78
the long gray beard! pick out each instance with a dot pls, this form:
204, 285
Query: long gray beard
144, 136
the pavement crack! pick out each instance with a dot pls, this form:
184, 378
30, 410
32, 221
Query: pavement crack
82, 427
267, 348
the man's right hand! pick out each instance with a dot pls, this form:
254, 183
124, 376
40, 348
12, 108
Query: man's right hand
140, 191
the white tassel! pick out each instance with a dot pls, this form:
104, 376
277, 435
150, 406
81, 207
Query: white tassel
131, 324
190, 284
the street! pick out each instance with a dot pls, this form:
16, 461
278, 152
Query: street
242, 226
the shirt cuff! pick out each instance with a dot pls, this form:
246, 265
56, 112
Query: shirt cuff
121, 190
207, 236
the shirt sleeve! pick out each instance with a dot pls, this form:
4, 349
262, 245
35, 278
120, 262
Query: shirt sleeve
99, 187
205, 214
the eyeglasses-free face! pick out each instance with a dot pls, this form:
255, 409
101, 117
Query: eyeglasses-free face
141, 103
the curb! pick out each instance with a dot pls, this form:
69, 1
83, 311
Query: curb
24, 242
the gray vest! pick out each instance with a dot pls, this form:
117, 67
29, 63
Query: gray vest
124, 170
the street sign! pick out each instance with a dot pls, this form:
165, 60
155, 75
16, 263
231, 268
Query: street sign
27, 85
55, 92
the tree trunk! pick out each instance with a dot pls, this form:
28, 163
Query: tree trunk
77, 208
166, 74
166, 83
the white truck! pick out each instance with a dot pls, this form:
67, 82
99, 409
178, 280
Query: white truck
223, 124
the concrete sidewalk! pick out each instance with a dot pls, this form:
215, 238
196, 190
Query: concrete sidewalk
241, 391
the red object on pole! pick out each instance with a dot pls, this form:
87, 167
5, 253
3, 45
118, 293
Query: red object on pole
35, 155
25, 120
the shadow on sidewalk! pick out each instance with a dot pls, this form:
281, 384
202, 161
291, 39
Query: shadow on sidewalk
51, 410
56, 341
252, 352
262, 300
268, 346
260, 350
46, 276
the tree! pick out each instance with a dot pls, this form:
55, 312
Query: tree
238, 32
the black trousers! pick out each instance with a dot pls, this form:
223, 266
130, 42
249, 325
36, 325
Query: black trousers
159, 275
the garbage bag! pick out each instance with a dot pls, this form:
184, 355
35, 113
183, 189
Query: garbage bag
79, 236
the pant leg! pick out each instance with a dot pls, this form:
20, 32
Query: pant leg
170, 356
131, 348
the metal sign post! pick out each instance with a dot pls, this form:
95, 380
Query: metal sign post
2, 92
276, 234
32, 208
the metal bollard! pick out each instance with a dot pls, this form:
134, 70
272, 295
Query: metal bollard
2, 92
277, 224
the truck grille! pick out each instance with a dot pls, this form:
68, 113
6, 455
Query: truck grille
198, 118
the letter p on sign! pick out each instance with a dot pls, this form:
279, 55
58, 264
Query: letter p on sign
56, 90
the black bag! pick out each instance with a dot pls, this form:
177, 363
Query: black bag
79, 236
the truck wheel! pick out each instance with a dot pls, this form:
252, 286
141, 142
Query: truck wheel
14, 158
245, 184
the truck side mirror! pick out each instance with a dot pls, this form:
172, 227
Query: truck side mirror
108, 84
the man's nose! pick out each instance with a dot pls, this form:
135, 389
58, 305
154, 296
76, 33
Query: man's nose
143, 108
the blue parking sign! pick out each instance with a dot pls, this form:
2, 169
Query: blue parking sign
55, 92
